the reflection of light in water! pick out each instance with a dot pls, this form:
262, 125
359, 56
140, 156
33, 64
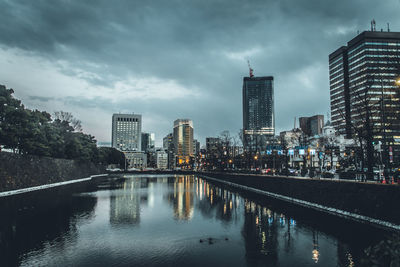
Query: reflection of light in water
183, 197
292, 222
350, 258
315, 252
253, 206
224, 208
282, 220
315, 255
256, 220
201, 190
247, 205
270, 220
230, 204
125, 205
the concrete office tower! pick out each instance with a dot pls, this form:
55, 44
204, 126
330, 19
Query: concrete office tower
312, 126
258, 112
183, 140
367, 68
162, 159
126, 132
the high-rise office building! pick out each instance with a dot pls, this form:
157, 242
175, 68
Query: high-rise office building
258, 112
183, 140
363, 77
148, 140
126, 132
196, 147
168, 146
312, 126
168, 142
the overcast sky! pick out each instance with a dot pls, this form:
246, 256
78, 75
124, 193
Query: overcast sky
176, 59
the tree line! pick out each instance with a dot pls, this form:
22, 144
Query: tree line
35, 132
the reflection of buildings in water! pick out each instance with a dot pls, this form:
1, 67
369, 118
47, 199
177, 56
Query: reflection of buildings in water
125, 207
261, 229
214, 200
260, 232
182, 197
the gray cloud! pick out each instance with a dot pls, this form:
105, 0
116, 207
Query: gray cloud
41, 98
201, 45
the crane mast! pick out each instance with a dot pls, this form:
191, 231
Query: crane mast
250, 69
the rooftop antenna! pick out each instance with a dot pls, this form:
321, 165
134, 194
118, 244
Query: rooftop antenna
250, 69
388, 27
294, 123
373, 25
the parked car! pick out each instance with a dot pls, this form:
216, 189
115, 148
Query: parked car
266, 171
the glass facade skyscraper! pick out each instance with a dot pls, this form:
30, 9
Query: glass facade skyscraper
258, 112
183, 141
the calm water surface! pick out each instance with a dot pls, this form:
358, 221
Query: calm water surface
181, 221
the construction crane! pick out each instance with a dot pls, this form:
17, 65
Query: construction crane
250, 69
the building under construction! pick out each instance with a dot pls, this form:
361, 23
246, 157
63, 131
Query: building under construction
258, 112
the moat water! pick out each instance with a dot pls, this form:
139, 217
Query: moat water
184, 221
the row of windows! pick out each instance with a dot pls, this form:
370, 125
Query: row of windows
336, 71
335, 61
128, 119
335, 67
374, 56
373, 50
372, 43
336, 84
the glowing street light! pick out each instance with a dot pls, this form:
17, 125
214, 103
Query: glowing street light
397, 82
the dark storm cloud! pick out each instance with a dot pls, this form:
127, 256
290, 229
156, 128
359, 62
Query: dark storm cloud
202, 45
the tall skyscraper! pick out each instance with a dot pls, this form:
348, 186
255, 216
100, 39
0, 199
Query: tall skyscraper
363, 77
183, 140
126, 132
258, 112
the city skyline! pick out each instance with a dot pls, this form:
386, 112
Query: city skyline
136, 58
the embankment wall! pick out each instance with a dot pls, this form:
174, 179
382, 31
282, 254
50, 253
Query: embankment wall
374, 200
22, 171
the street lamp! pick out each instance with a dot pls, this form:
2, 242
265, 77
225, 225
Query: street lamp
397, 81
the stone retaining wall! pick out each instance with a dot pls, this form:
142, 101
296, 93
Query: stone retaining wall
373, 200
22, 171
